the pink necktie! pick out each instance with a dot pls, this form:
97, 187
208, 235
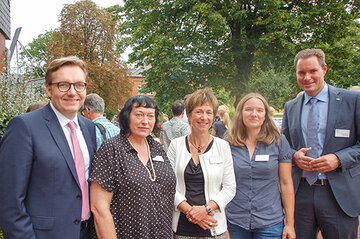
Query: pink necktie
80, 169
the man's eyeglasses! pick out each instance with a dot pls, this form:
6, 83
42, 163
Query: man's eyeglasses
65, 86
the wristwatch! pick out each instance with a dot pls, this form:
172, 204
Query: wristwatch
208, 208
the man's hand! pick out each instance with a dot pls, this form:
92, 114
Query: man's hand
325, 163
303, 161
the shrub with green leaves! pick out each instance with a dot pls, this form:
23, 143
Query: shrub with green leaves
16, 94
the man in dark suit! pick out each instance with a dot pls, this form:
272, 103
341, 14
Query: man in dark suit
45, 157
323, 127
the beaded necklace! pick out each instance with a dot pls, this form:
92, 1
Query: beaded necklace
152, 177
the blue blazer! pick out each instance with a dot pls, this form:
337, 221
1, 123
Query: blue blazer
343, 113
40, 196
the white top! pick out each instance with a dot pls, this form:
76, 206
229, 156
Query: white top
219, 177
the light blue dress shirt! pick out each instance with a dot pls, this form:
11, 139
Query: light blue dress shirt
322, 106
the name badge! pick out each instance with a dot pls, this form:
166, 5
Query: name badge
158, 158
261, 157
216, 159
342, 133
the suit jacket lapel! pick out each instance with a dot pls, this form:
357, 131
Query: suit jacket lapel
297, 111
335, 100
59, 137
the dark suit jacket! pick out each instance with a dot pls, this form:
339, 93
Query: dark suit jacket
343, 113
39, 189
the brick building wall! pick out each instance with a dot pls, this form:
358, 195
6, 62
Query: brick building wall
4, 29
136, 78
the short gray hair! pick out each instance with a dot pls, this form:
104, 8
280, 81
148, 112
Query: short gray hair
310, 52
94, 103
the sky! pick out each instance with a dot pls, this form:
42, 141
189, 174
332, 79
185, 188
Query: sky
38, 16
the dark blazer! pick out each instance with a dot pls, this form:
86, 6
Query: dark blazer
40, 196
343, 113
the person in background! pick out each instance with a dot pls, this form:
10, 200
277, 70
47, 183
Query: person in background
262, 164
45, 159
175, 127
36, 106
115, 121
185, 118
132, 182
323, 128
223, 123
204, 171
355, 88
93, 109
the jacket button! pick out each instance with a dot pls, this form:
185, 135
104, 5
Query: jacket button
78, 196
77, 221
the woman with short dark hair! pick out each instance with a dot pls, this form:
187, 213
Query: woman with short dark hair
132, 182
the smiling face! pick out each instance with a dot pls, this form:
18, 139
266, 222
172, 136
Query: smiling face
254, 113
310, 75
67, 103
201, 117
142, 121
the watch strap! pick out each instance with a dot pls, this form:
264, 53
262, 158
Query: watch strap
208, 208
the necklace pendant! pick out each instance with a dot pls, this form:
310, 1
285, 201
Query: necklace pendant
199, 150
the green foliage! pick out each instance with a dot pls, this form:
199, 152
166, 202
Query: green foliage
90, 32
16, 94
274, 84
37, 55
1, 234
191, 44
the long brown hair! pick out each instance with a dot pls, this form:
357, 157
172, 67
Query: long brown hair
268, 132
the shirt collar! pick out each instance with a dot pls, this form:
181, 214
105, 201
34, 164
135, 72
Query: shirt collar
62, 119
99, 119
323, 95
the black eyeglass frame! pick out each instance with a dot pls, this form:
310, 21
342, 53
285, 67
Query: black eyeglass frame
70, 84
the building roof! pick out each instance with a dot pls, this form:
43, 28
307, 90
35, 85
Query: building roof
137, 72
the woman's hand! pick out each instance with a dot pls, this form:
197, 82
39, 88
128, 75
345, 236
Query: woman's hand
288, 232
207, 223
196, 214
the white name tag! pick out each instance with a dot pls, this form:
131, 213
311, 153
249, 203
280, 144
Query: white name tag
342, 133
216, 159
261, 157
158, 158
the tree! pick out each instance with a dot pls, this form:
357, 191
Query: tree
275, 84
192, 43
90, 33
36, 55
16, 95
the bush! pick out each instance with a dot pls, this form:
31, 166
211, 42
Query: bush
16, 94
275, 84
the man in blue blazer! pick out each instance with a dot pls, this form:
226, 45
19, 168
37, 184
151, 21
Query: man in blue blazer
326, 169
40, 192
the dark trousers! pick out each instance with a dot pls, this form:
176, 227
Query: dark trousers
85, 229
316, 209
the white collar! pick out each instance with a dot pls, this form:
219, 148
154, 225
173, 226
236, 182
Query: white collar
63, 119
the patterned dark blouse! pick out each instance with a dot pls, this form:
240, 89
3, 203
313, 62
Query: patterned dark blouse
140, 208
